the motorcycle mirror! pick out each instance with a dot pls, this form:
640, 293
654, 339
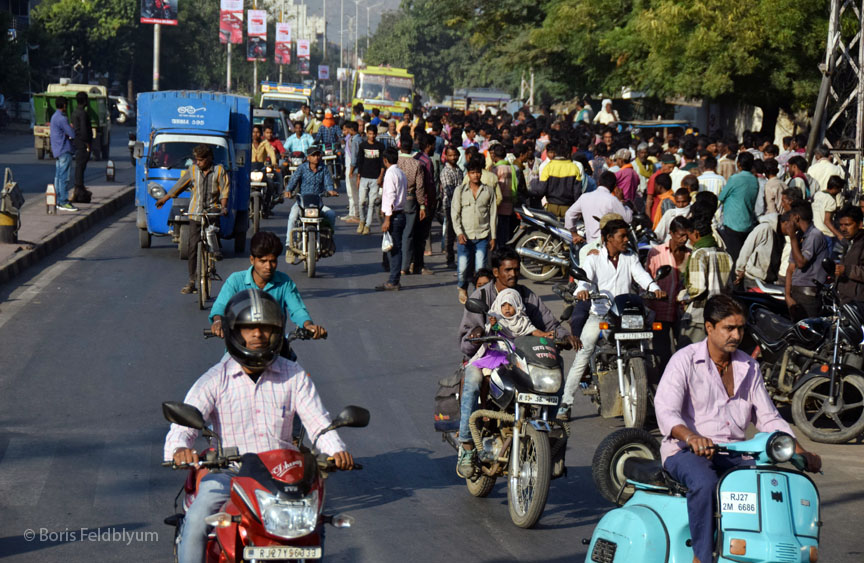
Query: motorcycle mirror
155, 190
662, 272
829, 266
138, 150
476, 306
183, 414
352, 417
568, 312
579, 274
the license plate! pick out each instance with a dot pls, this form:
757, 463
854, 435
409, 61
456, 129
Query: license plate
536, 399
738, 503
634, 335
277, 552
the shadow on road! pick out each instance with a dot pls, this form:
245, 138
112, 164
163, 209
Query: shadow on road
35, 540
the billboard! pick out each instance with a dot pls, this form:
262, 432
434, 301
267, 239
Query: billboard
231, 21
283, 43
159, 11
256, 49
304, 66
323, 72
302, 48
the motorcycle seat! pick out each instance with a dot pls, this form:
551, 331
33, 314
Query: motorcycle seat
771, 327
546, 217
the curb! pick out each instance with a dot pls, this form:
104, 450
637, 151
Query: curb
26, 258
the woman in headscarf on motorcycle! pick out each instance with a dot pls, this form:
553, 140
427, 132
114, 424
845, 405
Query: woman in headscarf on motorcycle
507, 318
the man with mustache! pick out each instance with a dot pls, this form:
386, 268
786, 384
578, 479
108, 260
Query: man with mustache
710, 392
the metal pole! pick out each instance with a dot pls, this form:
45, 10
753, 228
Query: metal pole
859, 134
356, 26
157, 32
817, 125
281, 20
325, 31
531, 96
341, 42
228, 68
368, 8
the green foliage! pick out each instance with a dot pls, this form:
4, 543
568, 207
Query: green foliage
13, 79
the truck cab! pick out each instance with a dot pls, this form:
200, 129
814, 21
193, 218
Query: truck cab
170, 125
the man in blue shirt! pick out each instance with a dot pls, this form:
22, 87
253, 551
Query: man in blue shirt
310, 178
61, 146
265, 249
738, 198
299, 141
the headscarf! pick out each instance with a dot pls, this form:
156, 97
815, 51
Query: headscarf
517, 325
603, 104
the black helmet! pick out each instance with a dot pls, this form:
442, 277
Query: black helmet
319, 113
247, 308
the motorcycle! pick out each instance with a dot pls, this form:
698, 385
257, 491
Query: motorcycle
291, 164
277, 497
333, 159
815, 365
542, 242
764, 513
311, 238
265, 193
515, 436
619, 373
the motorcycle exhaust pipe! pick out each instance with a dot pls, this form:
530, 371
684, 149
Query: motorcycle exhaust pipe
542, 257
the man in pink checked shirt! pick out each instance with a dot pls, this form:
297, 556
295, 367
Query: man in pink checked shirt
250, 398
710, 392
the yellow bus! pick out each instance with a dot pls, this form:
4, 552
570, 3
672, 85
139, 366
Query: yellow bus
382, 87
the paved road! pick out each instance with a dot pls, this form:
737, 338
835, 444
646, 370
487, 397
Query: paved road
92, 344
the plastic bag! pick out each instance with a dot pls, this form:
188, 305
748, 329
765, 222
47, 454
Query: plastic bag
386, 242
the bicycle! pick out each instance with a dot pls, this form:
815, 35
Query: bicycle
207, 250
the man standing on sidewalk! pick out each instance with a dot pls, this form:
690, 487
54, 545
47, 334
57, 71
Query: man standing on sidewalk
61, 146
352, 142
392, 206
371, 170
81, 142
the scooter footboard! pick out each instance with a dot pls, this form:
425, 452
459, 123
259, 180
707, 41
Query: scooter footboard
641, 531
768, 515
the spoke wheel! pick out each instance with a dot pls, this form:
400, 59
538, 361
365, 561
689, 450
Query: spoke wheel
822, 422
541, 242
528, 488
634, 403
256, 213
202, 275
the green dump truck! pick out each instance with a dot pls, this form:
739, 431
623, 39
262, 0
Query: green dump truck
100, 117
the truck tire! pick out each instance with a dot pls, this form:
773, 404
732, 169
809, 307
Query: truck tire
183, 245
607, 467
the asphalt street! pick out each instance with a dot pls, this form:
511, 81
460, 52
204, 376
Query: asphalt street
95, 340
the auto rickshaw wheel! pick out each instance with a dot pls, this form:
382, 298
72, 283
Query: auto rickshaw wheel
144, 238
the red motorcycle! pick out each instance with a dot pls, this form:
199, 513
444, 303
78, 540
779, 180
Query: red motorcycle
277, 498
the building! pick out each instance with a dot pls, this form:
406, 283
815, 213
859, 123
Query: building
303, 24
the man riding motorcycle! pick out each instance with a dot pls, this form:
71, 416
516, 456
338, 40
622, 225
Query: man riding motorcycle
265, 249
230, 397
710, 392
505, 267
611, 272
310, 178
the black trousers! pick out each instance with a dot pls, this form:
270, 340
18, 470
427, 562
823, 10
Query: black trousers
421, 235
194, 239
82, 155
734, 241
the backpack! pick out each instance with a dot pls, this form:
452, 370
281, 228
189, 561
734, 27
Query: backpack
447, 404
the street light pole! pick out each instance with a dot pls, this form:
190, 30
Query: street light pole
325, 31
368, 9
341, 42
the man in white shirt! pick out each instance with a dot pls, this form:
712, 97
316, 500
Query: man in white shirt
610, 272
710, 180
593, 205
823, 168
393, 192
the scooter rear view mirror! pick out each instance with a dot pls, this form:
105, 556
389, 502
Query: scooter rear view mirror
829, 266
353, 417
579, 274
183, 414
662, 272
476, 306
138, 150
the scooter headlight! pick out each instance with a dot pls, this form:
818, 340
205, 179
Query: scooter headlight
780, 447
288, 518
256, 176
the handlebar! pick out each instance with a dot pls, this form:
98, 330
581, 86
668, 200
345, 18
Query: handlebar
327, 465
209, 333
219, 462
299, 334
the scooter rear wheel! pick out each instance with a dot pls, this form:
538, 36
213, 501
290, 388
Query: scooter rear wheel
607, 467
819, 421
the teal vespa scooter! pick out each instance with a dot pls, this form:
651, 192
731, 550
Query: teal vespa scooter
765, 513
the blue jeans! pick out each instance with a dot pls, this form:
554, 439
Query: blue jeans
397, 227
368, 194
329, 214
700, 476
62, 173
213, 492
411, 224
477, 248
470, 392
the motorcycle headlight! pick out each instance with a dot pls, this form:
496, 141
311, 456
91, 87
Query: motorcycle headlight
632, 322
296, 161
288, 518
545, 380
780, 447
269, 169
256, 176
310, 212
